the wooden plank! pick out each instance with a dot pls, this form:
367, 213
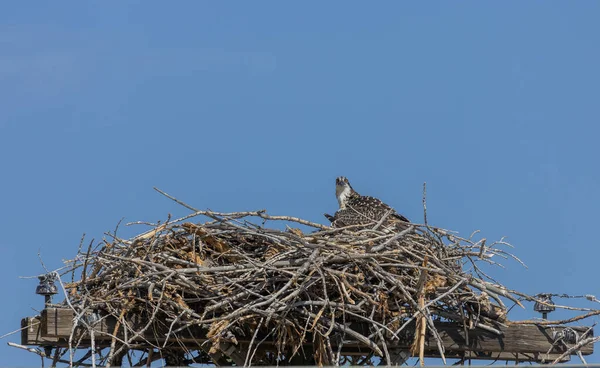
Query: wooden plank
57, 322
514, 339
517, 339
31, 333
504, 356
233, 352
217, 358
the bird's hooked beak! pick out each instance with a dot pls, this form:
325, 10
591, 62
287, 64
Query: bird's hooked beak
341, 180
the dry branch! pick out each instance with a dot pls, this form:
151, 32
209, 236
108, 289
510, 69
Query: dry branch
238, 280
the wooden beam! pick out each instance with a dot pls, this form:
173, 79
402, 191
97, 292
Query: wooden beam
217, 358
57, 322
31, 333
233, 352
515, 339
504, 356
398, 357
530, 342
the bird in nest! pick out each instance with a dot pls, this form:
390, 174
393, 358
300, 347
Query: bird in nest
356, 209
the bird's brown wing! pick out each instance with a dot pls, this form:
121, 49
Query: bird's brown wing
363, 210
373, 209
345, 217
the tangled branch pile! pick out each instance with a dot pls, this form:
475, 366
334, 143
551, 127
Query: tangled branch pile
238, 280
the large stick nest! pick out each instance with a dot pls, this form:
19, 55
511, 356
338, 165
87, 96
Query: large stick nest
238, 278
233, 276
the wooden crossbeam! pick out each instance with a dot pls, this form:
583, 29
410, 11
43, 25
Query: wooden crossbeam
31, 333
517, 342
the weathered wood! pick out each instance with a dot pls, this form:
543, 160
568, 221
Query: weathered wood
504, 356
56, 322
518, 342
31, 333
398, 357
233, 352
515, 339
217, 358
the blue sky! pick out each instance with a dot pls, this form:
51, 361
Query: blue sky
262, 105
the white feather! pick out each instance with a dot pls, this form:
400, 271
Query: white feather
343, 192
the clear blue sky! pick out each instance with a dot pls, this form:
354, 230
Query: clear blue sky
261, 105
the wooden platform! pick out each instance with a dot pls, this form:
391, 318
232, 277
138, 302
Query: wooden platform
517, 342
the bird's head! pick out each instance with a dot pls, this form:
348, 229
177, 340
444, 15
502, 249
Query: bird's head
343, 190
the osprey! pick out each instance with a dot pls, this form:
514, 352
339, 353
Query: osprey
356, 209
